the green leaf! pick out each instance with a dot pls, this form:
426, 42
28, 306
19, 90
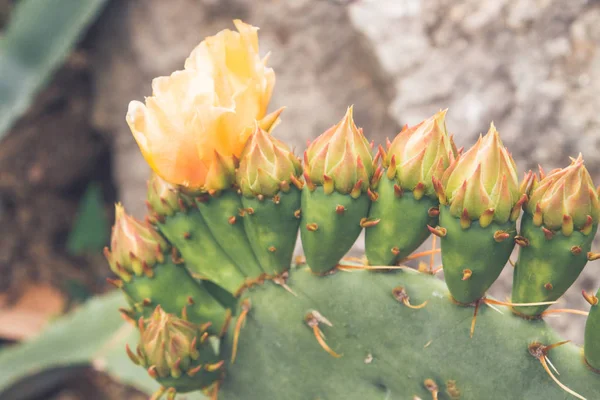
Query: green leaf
38, 37
90, 230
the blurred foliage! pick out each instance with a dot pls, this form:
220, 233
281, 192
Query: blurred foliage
90, 230
37, 38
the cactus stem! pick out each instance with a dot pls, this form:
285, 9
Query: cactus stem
340, 209
433, 212
176, 257
437, 231
567, 225
159, 393
225, 327
152, 372
298, 213
590, 298
115, 282
400, 294
171, 393
398, 192
312, 319
548, 234
540, 352
432, 387
465, 220
246, 305
368, 223
312, 227
356, 190
576, 250
521, 241
372, 195
591, 256
132, 356
467, 273
297, 182
564, 311
501, 236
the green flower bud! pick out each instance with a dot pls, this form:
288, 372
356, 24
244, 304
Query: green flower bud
134, 245
483, 182
340, 159
565, 199
266, 166
421, 152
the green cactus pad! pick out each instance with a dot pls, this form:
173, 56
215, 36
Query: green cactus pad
200, 251
546, 268
272, 229
334, 232
592, 337
229, 232
473, 249
158, 289
402, 226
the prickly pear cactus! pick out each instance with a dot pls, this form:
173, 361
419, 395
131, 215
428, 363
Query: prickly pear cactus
221, 308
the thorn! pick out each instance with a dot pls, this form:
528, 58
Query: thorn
148, 271
277, 198
328, 186
194, 371
433, 212
312, 227
214, 367
419, 191
391, 171
395, 250
593, 256
281, 280
516, 210
106, 253
232, 220
586, 229
115, 282
152, 372
126, 315
590, 298
488, 301
171, 393
297, 182
439, 190
246, 305
501, 236
132, 356
564, 311
141, 327
398, 192
339, 209
400, 295
312, 320
432, 387
467, 273
576, 250
368, 223
357, 189
474, 320
548, 234
521, 241
187, 235
309, 184
465, 220
437, 231
176, 257
182, 205
567, 225
225, 327
486, 217
249, 210
190, 300
538, 216
298, 213
421, 254
372, 195
260, 197
272, 249
540, 352
147, 302
542, 172
548, 286
159, 393
176, 369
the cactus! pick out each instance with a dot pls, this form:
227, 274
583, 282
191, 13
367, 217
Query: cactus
205, 275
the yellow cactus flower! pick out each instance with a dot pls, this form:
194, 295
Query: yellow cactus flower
203, 111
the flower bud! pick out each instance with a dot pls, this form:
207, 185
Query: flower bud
266, 166
420, 153
483, 181
340, 159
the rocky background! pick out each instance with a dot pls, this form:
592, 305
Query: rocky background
531, 66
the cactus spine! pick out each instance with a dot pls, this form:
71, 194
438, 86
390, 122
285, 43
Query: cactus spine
405, 201
338, 168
